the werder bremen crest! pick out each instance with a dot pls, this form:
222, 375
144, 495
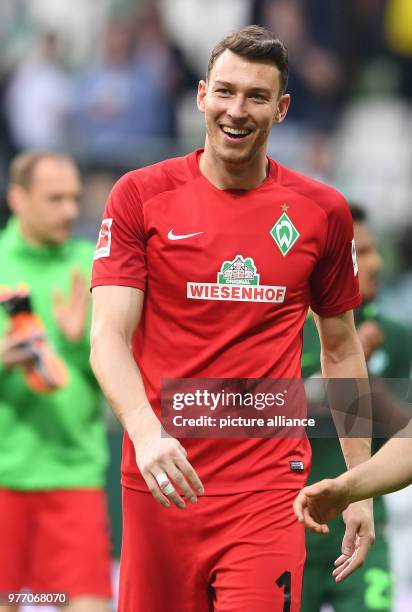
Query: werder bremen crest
284, 233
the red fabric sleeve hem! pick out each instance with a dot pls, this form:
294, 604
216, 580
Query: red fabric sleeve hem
118, 282
338, 309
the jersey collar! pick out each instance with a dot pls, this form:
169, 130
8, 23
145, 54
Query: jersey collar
15, 242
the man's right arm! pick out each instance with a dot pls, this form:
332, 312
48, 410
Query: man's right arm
116, 314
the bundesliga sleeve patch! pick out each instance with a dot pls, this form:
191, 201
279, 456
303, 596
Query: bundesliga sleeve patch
105, 239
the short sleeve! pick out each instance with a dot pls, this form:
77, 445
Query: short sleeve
334, 281
120, 255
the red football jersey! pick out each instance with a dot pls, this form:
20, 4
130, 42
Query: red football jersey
228, 277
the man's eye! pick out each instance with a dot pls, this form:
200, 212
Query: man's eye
223, 92
258, 97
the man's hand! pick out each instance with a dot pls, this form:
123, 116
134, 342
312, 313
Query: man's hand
15, 353
163, 464
319, 503
71, 312
358, 539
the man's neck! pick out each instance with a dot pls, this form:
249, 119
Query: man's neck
225, 175
30, 237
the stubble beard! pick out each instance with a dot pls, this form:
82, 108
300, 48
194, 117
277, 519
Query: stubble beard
224, 154
235, 158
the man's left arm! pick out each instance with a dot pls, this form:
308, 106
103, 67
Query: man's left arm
342, 357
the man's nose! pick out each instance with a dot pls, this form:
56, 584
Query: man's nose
71, 209
237, 109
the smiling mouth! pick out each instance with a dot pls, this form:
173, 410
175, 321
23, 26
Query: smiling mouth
236, 133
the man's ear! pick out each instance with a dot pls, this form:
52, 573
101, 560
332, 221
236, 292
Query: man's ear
16, 197
201, 93
282, 108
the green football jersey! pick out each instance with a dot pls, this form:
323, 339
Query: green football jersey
55, 440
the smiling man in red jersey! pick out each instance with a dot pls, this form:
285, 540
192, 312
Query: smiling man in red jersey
205, 268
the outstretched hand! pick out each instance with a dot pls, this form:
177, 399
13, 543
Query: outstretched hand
358, 539
319, 503
71, 312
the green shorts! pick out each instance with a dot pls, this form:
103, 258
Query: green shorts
368, 589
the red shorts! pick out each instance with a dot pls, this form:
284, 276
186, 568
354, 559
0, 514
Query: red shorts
55, 541
234, 553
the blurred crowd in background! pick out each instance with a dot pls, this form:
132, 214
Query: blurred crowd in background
113, 83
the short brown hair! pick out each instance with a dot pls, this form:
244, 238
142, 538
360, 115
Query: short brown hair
255, 42
23, 166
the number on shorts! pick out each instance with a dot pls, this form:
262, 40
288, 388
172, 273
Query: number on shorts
284, 581
378, 593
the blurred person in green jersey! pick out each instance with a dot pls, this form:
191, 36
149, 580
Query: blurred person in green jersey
388, 351
53, 518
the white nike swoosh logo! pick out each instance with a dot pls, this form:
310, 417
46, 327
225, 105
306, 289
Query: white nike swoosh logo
173, 236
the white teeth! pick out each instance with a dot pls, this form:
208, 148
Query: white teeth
235, 131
